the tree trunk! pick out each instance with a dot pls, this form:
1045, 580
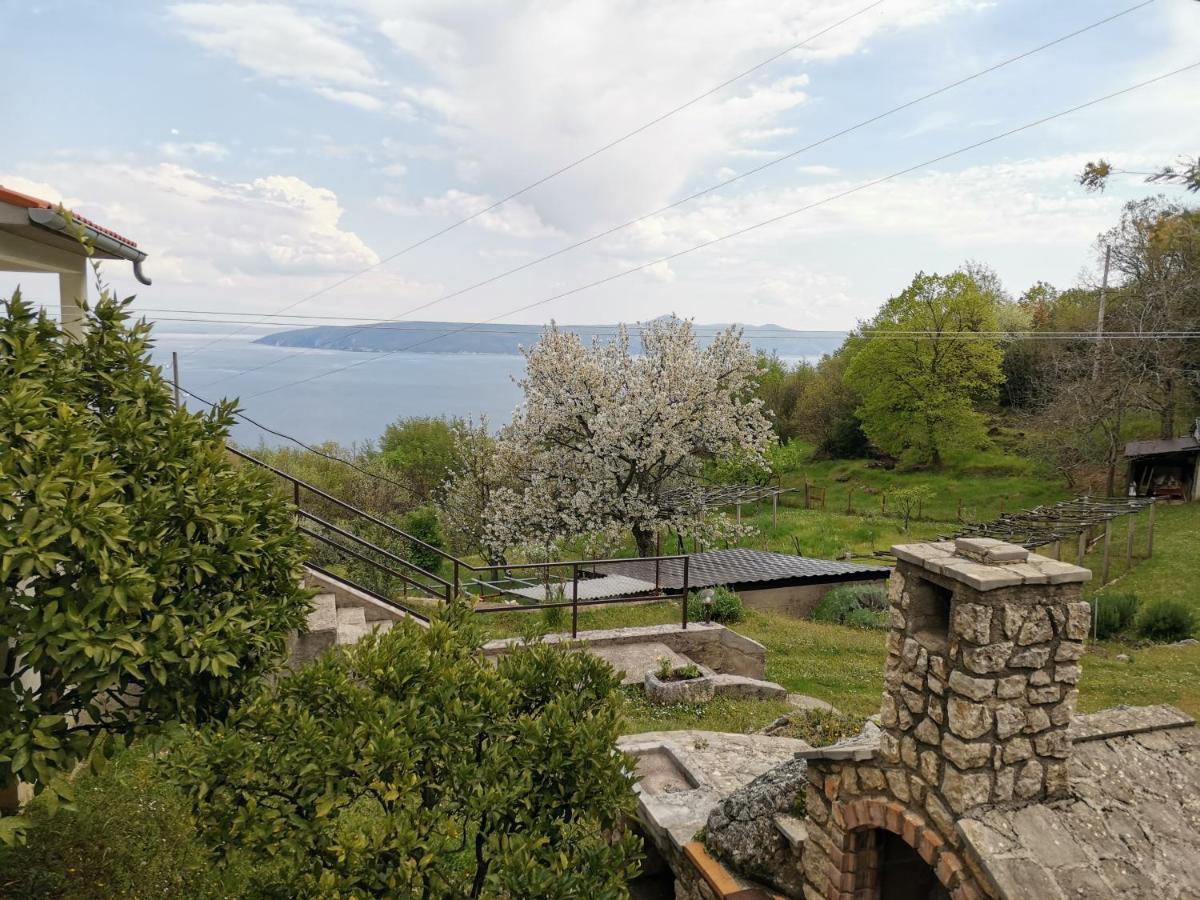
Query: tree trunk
645, 540
1166, 427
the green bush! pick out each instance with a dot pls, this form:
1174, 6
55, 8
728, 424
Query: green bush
136, 559
859, 605
128, 835
1113, 613
1166, 619
821, 727
423, 524
407, 766
726, 606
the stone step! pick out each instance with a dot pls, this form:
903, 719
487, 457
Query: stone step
794, 831
323, 613
351, 633
746, 687
351, 615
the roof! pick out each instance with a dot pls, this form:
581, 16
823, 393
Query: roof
743, 566
1154, 448
26, 201
589, 589
1130, 828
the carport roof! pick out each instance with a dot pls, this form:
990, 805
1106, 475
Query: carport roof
743, 566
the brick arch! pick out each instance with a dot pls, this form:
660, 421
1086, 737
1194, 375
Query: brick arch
856, 866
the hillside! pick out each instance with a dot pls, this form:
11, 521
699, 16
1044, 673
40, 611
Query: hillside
463, 337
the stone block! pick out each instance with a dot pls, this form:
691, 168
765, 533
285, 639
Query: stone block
1036, 720
1068, 673
871, 779
927, 732
889, 747
988, 659
979, 576
1002, 790
1011, 686
1028, 783
887, 711
1079, 618
1010, 719
1040, 678
1050, 694
898, 784
966, 790
966, 755
931, 767
967, 719
1053, 743
936, 685
1036, 628
975, 688
908, 751
938, 666
1068, 651
972, 622
1030, 658
990, 550
914, 701
936, 711
1061, 572
1017, 749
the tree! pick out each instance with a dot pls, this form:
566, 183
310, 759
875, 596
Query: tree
481, 467
421, 450
408, 766
825, 412
604, 436
919, 371
144, 577
1185, 172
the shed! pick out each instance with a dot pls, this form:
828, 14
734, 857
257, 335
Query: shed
38, 236
1166, 468
778, 582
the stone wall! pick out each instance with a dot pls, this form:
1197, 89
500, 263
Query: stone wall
983, 657
798, 601
710, 645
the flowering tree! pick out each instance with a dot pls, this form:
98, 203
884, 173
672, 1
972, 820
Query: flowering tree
608, 440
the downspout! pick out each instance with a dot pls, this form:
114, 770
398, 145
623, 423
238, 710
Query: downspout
54, 221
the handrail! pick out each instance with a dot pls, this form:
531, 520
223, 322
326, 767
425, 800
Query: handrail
371, 562
344, 505
400, 607
358, 540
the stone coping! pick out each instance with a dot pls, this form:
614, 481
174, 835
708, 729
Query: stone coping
861, 747
617, 635
1121, 721
987, 564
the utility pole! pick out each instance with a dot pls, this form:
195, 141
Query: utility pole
175, 375
1100, 316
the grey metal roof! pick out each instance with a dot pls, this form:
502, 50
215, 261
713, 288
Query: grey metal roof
589, 589
1154, 448
743, 567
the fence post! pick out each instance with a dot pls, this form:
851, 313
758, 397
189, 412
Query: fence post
1129, 543
456, 584
574, 600
774, 510
685, 592
739, 513
883, 503
1058, 550
960, 509
1107, 546
1150, 534
824, 494
849, 497
1082, 552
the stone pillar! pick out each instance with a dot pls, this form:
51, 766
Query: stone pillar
983, 658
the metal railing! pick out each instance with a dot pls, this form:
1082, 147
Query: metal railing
336, 544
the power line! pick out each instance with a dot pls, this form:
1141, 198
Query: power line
749, 228
720, 185
569, 166
299, 443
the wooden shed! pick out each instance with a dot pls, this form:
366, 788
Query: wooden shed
1166, 468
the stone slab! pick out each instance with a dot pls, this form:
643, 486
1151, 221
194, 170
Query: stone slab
635, 660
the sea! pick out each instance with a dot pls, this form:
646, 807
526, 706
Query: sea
349, 407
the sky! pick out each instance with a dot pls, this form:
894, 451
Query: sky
262, 152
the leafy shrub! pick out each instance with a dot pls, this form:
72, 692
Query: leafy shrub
408, 766
860, 605
1113, 613
137, 558
727, 606
423, 524
554, 617
691, 670
1166, 619
128, 835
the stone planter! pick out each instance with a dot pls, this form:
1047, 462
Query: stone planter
685, 690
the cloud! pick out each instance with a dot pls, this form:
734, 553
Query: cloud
202, 231
278, 42
513, 219
191, 149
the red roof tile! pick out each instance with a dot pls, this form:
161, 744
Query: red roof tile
16, 198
